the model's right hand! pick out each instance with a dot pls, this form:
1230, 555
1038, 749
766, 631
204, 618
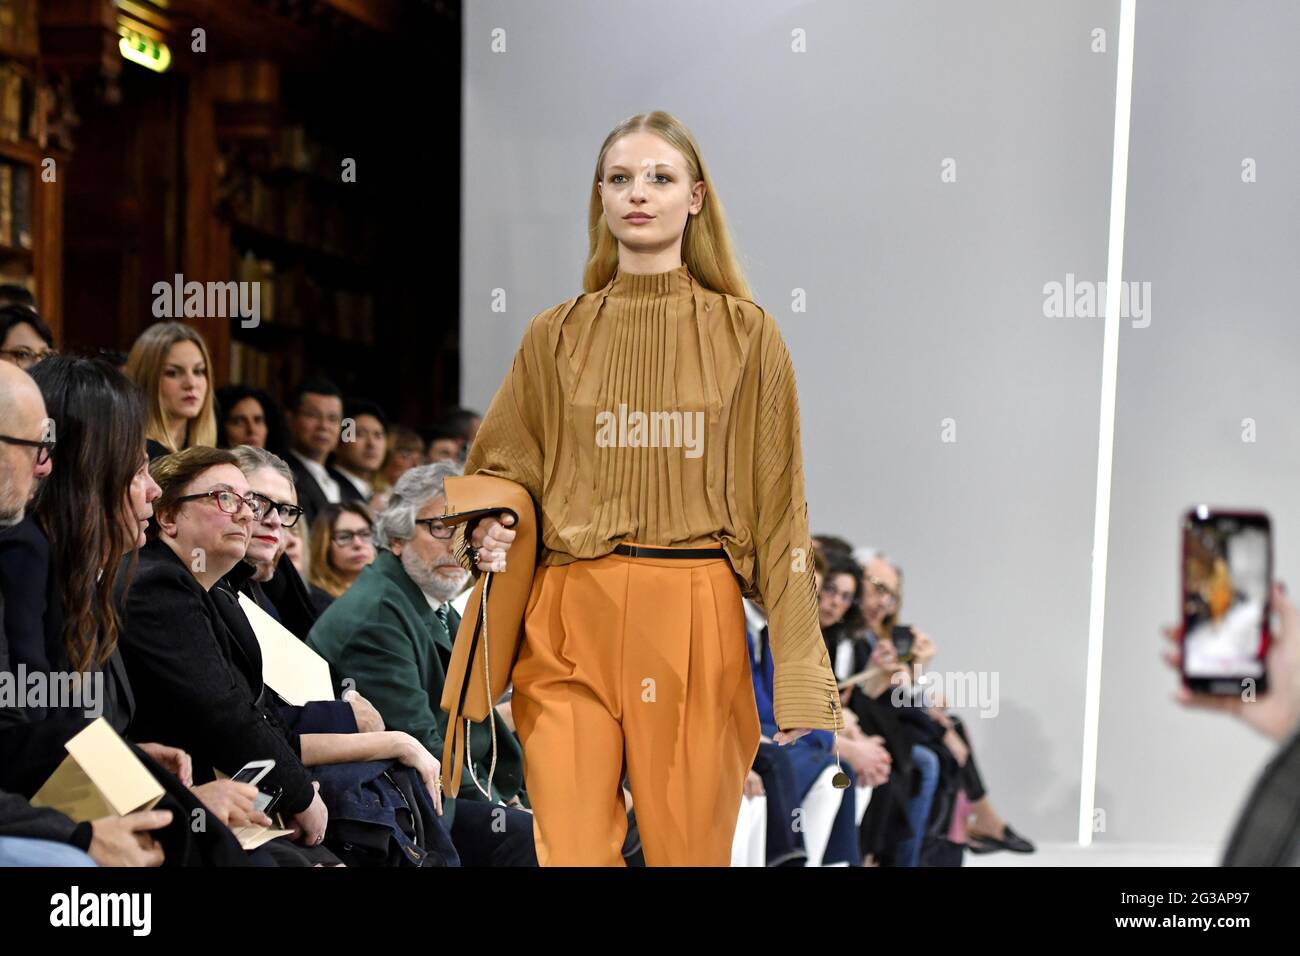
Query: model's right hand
493, 540
125, 841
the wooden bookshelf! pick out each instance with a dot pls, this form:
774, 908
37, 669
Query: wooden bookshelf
31, 186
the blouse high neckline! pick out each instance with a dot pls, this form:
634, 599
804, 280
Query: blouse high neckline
647, 283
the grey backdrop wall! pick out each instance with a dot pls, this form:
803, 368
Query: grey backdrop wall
1214, 84
925, 319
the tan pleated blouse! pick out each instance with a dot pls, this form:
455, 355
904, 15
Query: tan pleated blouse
660, 412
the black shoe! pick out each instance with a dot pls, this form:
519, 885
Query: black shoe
1011, 840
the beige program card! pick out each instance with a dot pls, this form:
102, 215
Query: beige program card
289, 667
100, 777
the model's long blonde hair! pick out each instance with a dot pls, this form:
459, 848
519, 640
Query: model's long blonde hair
144, 366
707, 248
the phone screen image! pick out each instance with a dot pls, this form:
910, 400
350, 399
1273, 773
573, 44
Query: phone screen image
1227, 568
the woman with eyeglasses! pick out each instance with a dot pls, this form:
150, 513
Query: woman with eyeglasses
342, 546
205, 678
268, 578
25, 339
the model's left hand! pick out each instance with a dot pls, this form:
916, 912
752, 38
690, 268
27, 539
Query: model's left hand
784, 737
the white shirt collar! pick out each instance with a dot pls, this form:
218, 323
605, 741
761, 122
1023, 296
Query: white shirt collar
323, 478
367, 490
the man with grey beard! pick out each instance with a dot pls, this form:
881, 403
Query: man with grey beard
391, 636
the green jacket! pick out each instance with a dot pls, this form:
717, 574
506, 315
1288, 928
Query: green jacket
383, 635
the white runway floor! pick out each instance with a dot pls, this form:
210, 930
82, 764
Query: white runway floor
1101, 854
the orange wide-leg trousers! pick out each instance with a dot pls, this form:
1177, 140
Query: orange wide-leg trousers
637, 666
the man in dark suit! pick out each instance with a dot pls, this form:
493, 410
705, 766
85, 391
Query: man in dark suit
314, 415
392, 633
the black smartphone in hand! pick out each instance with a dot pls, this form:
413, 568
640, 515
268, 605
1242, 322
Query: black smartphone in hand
1227, 584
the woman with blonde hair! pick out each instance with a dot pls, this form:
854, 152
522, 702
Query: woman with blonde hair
654, 420
170, 362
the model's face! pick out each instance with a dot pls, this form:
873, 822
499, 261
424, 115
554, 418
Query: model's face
184, 381
363, 453
140, 496
246, 423
316, 423
268, 534
351, 545
647, 193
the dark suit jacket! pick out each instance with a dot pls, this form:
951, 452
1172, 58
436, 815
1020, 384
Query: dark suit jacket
310, 496
198, 682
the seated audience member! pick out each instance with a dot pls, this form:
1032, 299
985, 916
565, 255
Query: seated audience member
465, 423
444, 442
205, 680
267, 578
315, 417
273, 582
170, 362
405, 451
248, 416
342, 546
57, 617
392, 632
929, 728
362, 446
25, 339
830, 815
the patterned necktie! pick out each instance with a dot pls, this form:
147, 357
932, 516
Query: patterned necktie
441, 612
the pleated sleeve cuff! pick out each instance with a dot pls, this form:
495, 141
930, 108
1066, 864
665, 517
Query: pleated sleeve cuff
805, 696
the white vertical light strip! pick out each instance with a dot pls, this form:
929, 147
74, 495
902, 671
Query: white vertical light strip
1106, 431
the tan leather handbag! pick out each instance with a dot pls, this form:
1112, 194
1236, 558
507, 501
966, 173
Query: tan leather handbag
492, 628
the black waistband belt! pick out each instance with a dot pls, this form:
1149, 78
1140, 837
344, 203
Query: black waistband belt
647, 551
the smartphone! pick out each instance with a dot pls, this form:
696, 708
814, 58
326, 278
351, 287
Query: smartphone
902, 639
1227, 583
267, 797
252, 772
